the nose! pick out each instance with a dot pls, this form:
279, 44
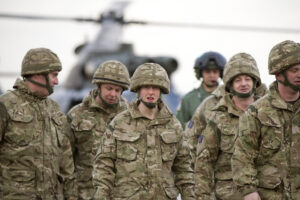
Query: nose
56, 81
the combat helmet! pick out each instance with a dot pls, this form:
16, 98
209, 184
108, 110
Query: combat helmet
241, 63
40, 61
209, 60
113, 72
283, 55
150, 74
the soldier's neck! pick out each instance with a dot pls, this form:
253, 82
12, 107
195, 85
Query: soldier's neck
242, 103
209, 89
147, 112
287, 93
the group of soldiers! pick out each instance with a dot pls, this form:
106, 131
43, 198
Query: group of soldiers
240, 140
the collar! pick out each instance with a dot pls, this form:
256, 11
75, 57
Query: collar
164, 115
226, 103
278, 102
22, 87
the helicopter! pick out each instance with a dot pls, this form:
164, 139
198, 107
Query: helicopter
107, 45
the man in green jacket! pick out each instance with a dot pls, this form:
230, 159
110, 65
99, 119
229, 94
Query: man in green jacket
209, 67
266, 162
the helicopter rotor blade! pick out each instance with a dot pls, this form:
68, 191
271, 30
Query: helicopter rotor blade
218, 26
45, 17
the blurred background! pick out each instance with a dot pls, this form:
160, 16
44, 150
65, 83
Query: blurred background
182, 29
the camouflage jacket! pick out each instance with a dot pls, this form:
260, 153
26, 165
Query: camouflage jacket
141, 158
197, 124
214, 150
267, 150
36, 160
88, 121
189, 104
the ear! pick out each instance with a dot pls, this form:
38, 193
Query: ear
278, 76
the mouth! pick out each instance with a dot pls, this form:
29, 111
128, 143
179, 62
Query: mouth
111, 101
150, 99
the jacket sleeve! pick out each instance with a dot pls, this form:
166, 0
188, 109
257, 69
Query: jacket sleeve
184, 174
245, 154
3, 120
193, 130
104, 166
206, 156
67, 165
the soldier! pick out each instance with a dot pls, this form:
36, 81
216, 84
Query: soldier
266, 162
212, 167
36, 159
142, 154
209, 67
90, 118
199, 120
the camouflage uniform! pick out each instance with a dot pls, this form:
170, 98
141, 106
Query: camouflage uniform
266, 157
35, 154
199, 120
215, 147
89, 121
140, 158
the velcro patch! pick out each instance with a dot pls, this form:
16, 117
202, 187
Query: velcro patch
200, 139
191, 124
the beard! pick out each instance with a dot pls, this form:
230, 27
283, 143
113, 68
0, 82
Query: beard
211, 84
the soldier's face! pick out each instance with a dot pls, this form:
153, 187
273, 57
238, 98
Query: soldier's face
210, 77
293, 74
242, 83
149, 93
110, 93
53, 80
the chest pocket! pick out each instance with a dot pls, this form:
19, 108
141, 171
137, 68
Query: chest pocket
228, 135
127, 144
20, 130
83, 132
272, 133
58, 126
169, 145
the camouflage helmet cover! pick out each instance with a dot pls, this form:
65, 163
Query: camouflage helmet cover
241, 63
113, 72
150, 74
283, 55
39, 61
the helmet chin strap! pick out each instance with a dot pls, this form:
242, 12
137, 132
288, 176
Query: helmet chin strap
47, 86
104, 102
287, 83
148, 104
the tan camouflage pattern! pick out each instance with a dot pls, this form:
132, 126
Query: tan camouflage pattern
40, 60
112, 72
150, 74
212, 167
266, 157
197, 124
36, 160
88, 122
241, 63
283, 55
139, 158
